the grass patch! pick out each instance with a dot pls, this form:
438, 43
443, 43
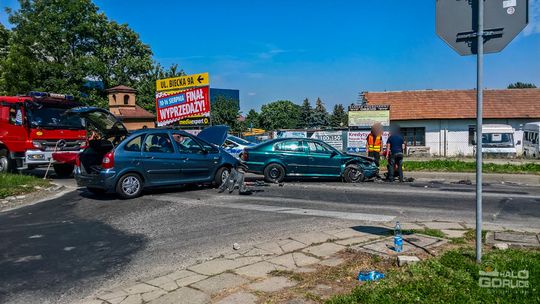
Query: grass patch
17, 184
463, 166
426, 231
451, 278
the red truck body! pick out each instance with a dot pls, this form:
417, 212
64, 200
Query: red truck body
33, 127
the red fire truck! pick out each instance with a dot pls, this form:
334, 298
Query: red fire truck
32, 127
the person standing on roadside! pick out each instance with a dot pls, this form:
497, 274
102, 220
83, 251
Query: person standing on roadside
395, 146
374, 143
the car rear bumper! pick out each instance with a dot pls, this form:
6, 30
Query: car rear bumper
105, 179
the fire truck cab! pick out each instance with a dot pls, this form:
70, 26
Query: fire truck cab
32, 127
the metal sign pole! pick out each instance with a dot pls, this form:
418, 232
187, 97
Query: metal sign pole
479, 103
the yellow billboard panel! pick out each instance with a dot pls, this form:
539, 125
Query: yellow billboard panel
183, 82
366, 116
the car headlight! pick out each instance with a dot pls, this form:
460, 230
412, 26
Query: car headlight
37, 144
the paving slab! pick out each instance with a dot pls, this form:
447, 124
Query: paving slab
117, 300
332, 262
255, 252
357, 240
486, 226
133, 299
113, 294
190, 280
513, 239
454, 233
270, 247
216, 266
140, 288
345, 233
92, 302
290, 245
442, 225
324, 250
411, 226
215, 284
272, 284
405, 260
149, 296
184, 295
239, 298
258, 270
163, 282
179, 274
313, 237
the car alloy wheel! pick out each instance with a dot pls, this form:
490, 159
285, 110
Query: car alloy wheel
130, 185
4, 161
274, 173
224, 175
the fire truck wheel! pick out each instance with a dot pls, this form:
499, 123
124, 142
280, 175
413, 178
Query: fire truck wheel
63, 170
6, 163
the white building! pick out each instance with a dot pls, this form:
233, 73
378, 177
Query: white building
443, 122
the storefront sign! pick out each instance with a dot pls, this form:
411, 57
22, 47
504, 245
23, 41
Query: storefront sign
333, 138
174, 106
366, 116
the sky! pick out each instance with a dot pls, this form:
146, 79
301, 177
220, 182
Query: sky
291, 50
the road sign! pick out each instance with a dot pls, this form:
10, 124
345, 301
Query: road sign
478, 27
174, 106
457, 23
183, 82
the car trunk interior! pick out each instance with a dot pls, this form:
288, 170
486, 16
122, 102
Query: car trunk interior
92, 156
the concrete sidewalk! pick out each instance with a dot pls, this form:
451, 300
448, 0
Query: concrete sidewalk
525, 179
244, 275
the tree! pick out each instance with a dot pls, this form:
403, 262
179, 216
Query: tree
4, 38
522, 85
338, 117
61, 45
252, 119
146, 86
281, 114
320, 115
225, 111
306, 115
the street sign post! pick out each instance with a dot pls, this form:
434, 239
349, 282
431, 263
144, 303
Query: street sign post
478, 27
183, 82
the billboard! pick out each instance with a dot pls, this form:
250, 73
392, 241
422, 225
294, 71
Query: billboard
357, 140
367, 115
174, 106
333, 138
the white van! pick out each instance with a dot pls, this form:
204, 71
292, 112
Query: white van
498, 140
531, 140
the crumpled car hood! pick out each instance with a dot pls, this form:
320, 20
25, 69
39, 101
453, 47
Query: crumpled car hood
215, 135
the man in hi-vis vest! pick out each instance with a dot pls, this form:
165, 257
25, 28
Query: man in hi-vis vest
374, 142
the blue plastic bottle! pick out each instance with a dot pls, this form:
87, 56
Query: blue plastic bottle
398, 240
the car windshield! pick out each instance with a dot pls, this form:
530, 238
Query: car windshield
52, 117
238, 140
498, 140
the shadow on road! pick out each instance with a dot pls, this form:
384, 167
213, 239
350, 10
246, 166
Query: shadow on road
47, 247
373, 230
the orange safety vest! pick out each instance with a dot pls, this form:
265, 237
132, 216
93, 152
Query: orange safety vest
374, 143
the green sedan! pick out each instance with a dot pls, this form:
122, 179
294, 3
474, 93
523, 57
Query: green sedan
303, 157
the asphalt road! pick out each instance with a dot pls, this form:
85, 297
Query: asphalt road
65, 249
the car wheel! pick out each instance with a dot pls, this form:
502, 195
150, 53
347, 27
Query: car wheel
221, 175
6, 163
353, 174
96, 190
129, 186
63, 170
274, 173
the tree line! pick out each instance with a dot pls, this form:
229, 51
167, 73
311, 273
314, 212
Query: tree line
68, 46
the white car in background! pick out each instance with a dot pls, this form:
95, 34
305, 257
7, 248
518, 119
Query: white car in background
235, 145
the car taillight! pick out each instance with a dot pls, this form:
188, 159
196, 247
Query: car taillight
245, 155
108, 161
78, 160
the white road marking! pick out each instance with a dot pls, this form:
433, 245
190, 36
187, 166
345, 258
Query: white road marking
221, 199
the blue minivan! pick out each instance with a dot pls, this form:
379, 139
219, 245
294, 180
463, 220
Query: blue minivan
126, 163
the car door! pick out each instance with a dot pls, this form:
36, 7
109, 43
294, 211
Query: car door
161, 162
293, 154
323, 160
199, 160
